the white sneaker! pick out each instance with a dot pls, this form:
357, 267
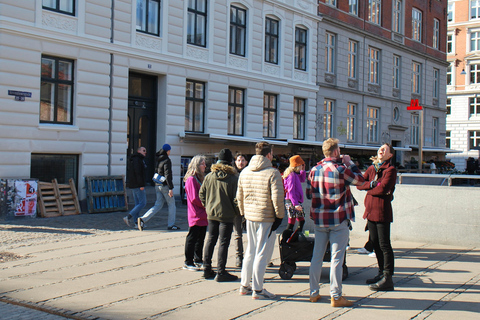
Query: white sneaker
363, 251
372, 255
244, 290
127, 221
264, 294
190, 267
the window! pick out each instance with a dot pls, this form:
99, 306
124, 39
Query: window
372, 124
194, 106
374, 10
373, 65
148, 16
299, 118
475, 73
416, 77
474, 139
328, 106
396, 71
474, 41
300, 49
269, 115
351, 123
61, 6
414, 129
238, 27
397, 16
448, 139
450, 43
435, 132
352, 59
449, 106
197, 22
416, 25
396, 114
330, 52
474, 103
353, 7
474, 9
331, 2
449, 75
46, 167
436, 80
450, 12
56, 91
436, 33
271, 40
236, 106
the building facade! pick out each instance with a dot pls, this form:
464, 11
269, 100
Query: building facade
85, 83
463, 81
378, 57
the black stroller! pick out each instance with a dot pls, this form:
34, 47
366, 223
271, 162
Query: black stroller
294, 247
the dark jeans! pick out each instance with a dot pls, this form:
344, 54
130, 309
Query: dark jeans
380, 237
217, 230
194, 245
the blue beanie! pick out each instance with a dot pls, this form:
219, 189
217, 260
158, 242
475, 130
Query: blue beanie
166, 147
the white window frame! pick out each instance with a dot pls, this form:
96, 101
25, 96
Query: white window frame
397, 71
351, 121
373, 65
353, 7
436, 33
331, 3
448, 139
397, 21
416, 77
474, 40
450, 43
474, 106
375, 11
414, 129
474, 73
352, 59
473, 138
330, 44
450, 74
373, 121
448, 106
450, 12
417, 17
474, 9
328, 108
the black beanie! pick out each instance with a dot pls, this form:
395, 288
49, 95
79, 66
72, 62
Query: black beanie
225, 156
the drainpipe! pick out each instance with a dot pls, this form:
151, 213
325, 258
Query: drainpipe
110, 95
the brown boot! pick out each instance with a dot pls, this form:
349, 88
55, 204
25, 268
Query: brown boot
341, 302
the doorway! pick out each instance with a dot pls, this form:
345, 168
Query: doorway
398, 155
142, 112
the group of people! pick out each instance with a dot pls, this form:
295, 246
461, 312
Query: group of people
255, 197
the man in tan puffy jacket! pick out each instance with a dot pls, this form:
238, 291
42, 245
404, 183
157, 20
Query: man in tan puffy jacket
260, 200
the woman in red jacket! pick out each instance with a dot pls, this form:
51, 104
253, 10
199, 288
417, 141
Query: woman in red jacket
380, 179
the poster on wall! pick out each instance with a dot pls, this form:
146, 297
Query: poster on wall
27, 198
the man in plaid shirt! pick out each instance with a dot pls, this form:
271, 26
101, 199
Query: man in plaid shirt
332, 210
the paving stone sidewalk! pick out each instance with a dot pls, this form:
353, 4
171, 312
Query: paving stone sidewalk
92, 266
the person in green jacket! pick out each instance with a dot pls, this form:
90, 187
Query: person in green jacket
217, 194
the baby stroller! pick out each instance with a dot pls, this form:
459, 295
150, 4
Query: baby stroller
294, 247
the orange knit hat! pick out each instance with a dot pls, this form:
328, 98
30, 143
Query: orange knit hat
296, 161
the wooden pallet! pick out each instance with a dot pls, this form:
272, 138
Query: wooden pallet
56, 199
106, 194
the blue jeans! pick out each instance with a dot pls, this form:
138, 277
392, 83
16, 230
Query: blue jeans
140, 198
162, 197
338, 237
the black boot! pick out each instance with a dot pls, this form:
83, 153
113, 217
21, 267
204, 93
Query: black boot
385, 284
375, 279
208, 273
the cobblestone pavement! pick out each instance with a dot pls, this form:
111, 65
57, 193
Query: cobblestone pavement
10, 311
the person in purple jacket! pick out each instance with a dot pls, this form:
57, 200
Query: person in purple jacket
197, 216
293, 177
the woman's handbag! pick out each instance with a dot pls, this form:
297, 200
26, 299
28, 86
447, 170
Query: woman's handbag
158, 178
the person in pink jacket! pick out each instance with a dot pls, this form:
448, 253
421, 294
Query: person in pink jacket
293, 177
197, 216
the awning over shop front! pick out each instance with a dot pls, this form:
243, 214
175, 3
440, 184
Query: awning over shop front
212, 137
437, 149
310, 143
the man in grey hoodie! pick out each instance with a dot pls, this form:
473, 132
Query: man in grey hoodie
260, 198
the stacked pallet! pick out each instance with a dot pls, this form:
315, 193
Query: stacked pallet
56, 199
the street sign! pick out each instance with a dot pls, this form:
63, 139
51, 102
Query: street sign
414, 105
